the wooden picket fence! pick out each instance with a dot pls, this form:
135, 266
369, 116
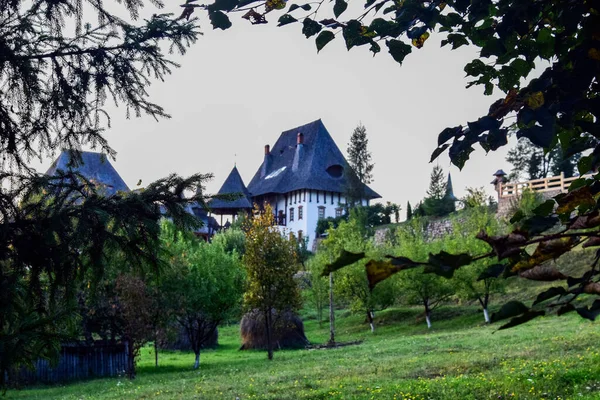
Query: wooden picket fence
551, 184
78, 362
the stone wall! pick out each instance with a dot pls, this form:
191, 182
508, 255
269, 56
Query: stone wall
505, 204
435, 229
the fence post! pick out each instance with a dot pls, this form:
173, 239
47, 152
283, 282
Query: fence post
562, 181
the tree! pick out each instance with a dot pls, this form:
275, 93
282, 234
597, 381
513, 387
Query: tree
317, 294
481, 279
360, 171
270, 262
560, 105
416, 287
351, 284
232, 239
475, 198
58, 74
137, 306
409, 212
204, 285
439, 200
359, 156
532, 162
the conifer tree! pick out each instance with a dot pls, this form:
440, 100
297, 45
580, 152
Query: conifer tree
360, 172
58, 73
409, 213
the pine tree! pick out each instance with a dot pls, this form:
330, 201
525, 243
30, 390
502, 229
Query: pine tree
360, 172
58, 75
437, 183
409, 213
439, 201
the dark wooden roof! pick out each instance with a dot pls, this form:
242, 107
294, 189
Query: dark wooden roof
95, 167
232, 185
316, 164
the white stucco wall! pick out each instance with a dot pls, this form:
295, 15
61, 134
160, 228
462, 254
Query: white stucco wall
308, 201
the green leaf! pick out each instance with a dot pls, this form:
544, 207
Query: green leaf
339, 7
521, 66
346, 258
436, 153
475, 68
219, 20
518, 216
223, 5
545, 209
293, 7
590, 313
444, 264
286, 19
324, 38
584, 165
509, 310
378, 271
546, 43
448, 134
398, 49
528, 316
536, 224
305, 7
493, 271
550, 293
310, 27
456, 40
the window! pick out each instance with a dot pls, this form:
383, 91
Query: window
317, 196
291, 214
300, 212
338, 212
300, 236
321, 212
331, 197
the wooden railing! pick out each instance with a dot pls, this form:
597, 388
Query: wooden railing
551, 184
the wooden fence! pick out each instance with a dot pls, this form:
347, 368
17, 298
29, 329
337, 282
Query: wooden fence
551, 184
79, 362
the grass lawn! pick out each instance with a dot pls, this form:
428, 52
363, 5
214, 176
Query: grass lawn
460, 358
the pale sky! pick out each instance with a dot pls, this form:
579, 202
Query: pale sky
237, 90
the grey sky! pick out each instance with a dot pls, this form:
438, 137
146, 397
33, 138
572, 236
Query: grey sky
237, 90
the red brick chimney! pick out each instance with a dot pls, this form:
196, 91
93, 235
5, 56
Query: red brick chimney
300, 138
267, 149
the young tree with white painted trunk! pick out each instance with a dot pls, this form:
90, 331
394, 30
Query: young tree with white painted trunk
416, 287
351, 285
480, 280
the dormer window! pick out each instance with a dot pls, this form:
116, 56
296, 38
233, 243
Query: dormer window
335, 171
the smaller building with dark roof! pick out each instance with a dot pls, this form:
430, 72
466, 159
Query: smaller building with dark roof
95, 167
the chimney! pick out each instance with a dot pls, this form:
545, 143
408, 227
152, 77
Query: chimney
299, 151
267, 161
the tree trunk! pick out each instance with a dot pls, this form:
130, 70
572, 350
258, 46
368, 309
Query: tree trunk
156, 352
484, 304
197, 362
427, 314
269, 339
331, 312
370, 319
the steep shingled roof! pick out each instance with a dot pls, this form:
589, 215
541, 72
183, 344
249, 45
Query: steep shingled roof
95, 167
233, 184
292, 167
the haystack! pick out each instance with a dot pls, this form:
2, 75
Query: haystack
288, 331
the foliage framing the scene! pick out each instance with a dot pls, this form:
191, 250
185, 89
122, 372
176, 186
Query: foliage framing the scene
57, 75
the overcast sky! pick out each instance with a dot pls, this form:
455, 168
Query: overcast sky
237, 90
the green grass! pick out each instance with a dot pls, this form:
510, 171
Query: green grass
549, 358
